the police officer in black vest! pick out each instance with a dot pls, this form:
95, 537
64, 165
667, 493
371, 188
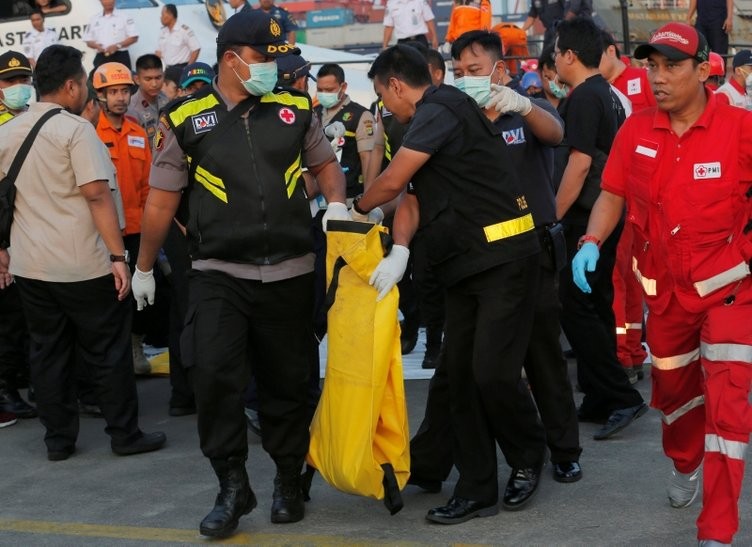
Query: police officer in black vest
482, 245
237, 148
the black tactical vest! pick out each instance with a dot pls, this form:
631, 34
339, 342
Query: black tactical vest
246, 202
349, 115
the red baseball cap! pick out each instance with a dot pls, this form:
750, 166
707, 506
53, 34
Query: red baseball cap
677, 41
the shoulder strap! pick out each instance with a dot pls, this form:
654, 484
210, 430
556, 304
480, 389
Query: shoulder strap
212, 138
15, 167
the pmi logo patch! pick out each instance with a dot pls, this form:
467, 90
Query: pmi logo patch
204, 122
707, 170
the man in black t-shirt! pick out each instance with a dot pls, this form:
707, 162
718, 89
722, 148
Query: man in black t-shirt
592, 115
481, 243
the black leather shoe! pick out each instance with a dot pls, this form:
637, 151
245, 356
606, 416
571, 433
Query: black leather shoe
459, 510
147, 442
408, 340
521, 487
235, 499
619, 419
429, 485
287, 501
567, 472
60, 455
11, 401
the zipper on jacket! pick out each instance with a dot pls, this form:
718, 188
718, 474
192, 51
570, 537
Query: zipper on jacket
260, 185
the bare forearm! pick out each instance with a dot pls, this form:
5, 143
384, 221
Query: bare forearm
544, 126
331, 181
387, 36
155, 223
571, 185
605, 215
406, 220
194, 56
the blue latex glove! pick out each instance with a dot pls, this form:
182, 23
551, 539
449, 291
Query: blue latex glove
585, 260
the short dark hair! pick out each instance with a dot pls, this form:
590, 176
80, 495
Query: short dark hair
56, 65
148, 62
36, 12
172, 10
402, 62
489, 41
420, 46
222, 48
331, 69
546, 58
583, 37
172, 74
608, 41
436, 61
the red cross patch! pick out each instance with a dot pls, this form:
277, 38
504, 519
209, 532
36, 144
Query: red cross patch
287, 115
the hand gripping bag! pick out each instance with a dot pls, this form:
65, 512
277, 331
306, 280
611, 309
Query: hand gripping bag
360, 442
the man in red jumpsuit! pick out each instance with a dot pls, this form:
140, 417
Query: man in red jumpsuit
685, 171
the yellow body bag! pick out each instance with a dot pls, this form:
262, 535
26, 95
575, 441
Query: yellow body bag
360, 442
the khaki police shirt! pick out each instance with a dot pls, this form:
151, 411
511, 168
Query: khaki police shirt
169, 171
147, 113
54, 237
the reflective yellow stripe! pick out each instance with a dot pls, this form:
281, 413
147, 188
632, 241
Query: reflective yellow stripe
670, 418
707, 286
727, 352
5, 117
731, 449
509, 228
648, 285
210, 182
293, 173
287, 99
676, 361
192, 107
349, 133
387, 148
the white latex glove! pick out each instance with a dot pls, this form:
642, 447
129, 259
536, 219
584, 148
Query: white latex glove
335, 130
505, 99
335, 211
390, 270
143, 288
374, 216
445, 48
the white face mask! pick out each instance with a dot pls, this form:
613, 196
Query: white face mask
748, 83
17, 96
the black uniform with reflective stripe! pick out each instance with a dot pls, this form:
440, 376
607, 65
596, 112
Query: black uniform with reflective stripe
460, 194
393, 131
349, 115
246, 202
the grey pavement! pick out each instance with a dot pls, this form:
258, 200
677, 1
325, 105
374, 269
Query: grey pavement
97, 498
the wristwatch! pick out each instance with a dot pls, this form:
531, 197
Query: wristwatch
125, 257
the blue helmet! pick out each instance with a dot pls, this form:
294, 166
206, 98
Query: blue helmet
531, 79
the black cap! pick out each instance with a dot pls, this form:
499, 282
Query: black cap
743, 58
196, 72
14, 64
292, 67
256, 29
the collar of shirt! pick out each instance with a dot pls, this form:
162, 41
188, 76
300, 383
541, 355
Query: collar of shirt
662, 119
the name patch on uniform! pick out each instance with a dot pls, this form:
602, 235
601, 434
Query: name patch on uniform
136, 142
707, 170
203, 122
634, 87
287, 115
645, 151
514, 136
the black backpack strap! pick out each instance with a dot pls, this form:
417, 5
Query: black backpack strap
15, 167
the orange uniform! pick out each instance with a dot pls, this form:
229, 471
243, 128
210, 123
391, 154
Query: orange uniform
131, 154
468, 17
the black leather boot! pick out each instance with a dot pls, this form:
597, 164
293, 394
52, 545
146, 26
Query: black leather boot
234, 500
433, 347
287, 505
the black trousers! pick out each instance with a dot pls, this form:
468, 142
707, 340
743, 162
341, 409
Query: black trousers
431, 449
717, 38
84, 316
589, 324
117, 57
489, 320
429, 292
236, 328
176, 250
14, 338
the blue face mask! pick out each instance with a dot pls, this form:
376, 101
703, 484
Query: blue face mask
16, 97
263, 77
326, 99
478, 87
558, 91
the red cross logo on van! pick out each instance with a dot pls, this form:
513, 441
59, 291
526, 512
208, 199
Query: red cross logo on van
287, 115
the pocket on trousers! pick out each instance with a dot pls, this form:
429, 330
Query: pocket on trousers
731, 404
